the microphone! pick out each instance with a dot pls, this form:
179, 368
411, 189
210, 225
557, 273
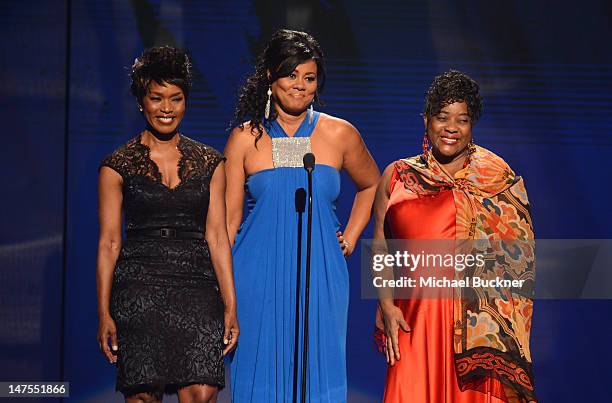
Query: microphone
300, 200
309, 162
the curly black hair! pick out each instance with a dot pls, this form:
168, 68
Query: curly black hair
163, 64
283, 53
453, 86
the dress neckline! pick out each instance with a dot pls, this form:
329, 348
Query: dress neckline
157, 175
307, 126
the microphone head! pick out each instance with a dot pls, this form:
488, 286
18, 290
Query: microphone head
300, 200
309, 161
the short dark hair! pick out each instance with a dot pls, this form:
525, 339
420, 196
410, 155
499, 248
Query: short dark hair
453, 86
163, 64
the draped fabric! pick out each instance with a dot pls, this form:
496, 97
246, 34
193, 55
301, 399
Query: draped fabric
488, 202
265, 257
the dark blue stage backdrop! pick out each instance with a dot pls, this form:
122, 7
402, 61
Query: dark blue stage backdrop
545, 70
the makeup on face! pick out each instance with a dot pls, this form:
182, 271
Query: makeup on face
295, 92
164, 107
450, 131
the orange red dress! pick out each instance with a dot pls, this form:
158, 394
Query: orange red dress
462, 350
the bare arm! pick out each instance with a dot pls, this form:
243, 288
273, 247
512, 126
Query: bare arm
234, 171
379, 210
391, 316
220, 254
109, 244
364, 172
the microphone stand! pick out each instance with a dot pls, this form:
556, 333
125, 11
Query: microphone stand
309, 165
300, 205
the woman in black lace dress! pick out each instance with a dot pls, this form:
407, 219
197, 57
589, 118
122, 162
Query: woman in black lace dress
166, 292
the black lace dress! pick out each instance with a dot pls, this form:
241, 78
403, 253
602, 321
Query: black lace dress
165, 298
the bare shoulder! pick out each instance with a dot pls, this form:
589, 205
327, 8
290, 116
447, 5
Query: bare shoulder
240, 138
385, 179
336, 128
388, 172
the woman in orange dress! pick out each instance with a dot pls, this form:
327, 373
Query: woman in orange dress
470, 345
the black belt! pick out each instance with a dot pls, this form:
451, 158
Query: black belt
165, 233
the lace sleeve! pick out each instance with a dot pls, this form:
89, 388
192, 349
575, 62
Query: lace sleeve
128, 160
114, 161
213, 159
199, 160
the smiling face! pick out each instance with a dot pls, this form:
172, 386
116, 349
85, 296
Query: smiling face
294, 93
450, 132
164, 107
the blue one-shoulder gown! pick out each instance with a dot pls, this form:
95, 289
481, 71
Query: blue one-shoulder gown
265, 267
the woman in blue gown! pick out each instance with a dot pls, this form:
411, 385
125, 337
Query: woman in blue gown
274, 126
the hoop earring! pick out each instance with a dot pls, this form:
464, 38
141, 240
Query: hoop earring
425, 145
267, 110
310, 113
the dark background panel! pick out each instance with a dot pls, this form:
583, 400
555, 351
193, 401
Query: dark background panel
32, 103
545, 71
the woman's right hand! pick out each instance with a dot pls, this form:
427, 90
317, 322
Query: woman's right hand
107, 330
393, 319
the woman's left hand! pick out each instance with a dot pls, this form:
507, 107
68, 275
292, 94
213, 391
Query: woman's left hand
346, 246
230, 336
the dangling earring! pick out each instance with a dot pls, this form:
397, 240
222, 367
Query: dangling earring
471, 150
310, 113
267, 110
425, 146
140, 108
